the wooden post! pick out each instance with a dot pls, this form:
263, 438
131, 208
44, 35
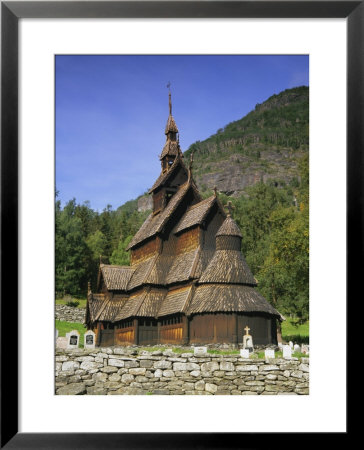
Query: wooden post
185, 332
136, 331
159, 332
235, 329
279, 332
98, 340
269, 330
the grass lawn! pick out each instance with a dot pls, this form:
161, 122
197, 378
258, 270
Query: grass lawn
81, 301
299, 334
66, 327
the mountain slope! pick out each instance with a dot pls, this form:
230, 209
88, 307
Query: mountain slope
265, 144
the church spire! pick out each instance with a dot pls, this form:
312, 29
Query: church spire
171, 149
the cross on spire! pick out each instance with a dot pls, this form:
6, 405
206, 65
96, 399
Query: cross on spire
229, 206
169, 96
247, 329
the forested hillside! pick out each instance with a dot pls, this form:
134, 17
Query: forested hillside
271, 205
265, 144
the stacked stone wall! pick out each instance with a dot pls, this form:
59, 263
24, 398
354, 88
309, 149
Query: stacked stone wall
123, 371
70, 314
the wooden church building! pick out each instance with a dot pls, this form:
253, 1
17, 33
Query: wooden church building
188, 282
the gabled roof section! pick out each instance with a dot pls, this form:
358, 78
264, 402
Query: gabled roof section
95, 303
228, 266
171, 148
131, 306
152, 303
164, 176
141, 272
116, 278
111, 309
175, 301
195, 214
155, 222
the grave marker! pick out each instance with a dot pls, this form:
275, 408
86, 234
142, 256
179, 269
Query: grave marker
73, 339
287, 352
269, 353
297, 348
248, 340
244, 353
89, 339
200, 350
61, 342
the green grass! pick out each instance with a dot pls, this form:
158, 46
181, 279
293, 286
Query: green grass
223, 352
295, 333
65, 327
81, 301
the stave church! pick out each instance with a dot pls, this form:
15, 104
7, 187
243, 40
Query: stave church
188, 282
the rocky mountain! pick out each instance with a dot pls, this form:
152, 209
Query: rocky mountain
265, 145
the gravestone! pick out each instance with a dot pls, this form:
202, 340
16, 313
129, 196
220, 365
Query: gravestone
280, 345
62, 342
244, 353
297, 348
200, 350
73, 339
287, 352
89, 339
269, 353
290, 344
248, 340
305, 349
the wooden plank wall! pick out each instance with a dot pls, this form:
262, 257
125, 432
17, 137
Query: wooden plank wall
124, 336
188, 240
216, 328
171, 334
144, 252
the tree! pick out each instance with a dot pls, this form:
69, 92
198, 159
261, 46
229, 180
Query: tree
120, 256
71, 251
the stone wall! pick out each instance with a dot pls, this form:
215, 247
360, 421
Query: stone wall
70, 314
123, 371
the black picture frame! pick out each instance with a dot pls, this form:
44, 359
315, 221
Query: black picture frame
11, 12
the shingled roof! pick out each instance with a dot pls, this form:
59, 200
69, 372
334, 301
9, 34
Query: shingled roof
175, 301
141, 272
94, 304
171, 148
229, 298
195, 214
116, 277
228, 266
164, 176
229, 228
152, 303
131, 306
155, 222
111, 309
171, 125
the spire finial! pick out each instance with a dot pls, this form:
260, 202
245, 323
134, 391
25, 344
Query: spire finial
230, 208
215, 191
89, 287
169, 96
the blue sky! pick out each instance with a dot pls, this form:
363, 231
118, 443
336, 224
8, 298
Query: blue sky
111, 112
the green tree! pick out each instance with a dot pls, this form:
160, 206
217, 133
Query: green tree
120, 256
